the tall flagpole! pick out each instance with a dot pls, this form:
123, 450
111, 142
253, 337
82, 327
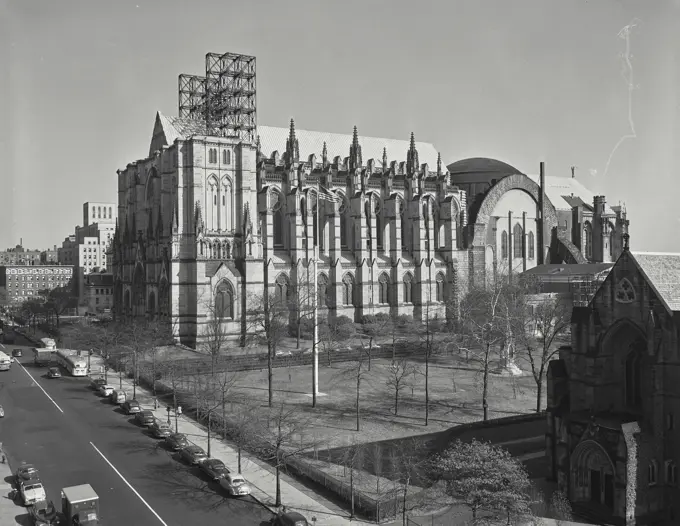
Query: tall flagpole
315, 343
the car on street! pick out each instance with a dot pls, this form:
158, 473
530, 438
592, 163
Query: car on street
118, 397
144, 418
160, 429
43, 513
235, 485
96, 383
53, 372
193, 455
32, 491
17, 353
106, 390
25, 472
289, 518
177, 441
131, 406
214, 468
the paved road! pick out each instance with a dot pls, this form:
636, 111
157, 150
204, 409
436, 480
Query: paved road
138, 482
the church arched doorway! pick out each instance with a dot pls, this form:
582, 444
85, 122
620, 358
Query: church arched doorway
593, 475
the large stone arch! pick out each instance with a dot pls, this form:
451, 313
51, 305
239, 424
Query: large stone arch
590, 463
512, 182
622, 330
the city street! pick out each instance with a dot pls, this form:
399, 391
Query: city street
73, 437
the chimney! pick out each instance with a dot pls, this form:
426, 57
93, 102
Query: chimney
541, 222
600, 234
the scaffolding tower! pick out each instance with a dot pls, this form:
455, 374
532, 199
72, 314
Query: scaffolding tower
225, 98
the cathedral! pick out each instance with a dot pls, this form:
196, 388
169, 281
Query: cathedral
220, 205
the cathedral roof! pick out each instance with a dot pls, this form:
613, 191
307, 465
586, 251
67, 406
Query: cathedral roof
272, 138
481, 165
564, 192
662, 270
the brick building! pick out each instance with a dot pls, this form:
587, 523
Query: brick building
614, 393
98, 292
218, 196
22, 282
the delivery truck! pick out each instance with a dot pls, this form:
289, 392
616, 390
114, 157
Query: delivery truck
80, 505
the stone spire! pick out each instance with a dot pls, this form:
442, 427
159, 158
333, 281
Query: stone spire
384, 159
412, 163
324, 155
439, 163
355, 160
292, 146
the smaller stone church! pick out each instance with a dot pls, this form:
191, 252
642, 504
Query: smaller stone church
612, 445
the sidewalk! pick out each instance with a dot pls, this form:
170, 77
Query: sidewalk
256, 472
9, 511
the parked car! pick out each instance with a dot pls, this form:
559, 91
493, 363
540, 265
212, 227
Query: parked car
235, 485
44, 513
96, 383
144, 418
53, 372
177, 441
214, 468
193, 455
289, 518
131, 406
17, 353
25, 472
160, 429
32, 491
106, 390
118, 397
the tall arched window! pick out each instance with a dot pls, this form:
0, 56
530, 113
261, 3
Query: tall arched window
282, 290
440, 287
348, 290
322, 290
378, 232
344, 218
531, 245
224, 301
504, 245
277, 218
587, 240
94, 211
611, 241
110, 213
383, 288
315, 220
633, 380
518, 242
99, 212
408, 284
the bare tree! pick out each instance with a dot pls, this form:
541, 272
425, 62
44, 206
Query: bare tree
358, 370
214, 332
241, 426
59, 300
369, 331
209, 399
398, 374
353, 458
172, 374
332, 333
269, 323
409, 464
546, 317
282, 437
301, 303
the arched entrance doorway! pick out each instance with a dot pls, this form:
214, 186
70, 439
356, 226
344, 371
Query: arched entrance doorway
592, 475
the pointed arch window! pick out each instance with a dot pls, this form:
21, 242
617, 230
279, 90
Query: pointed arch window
384, 288
282, 290
440, 287
277, 219
633, 380
625, 292
504, 245
315, 219
531, 246
671, 473
348, 290
322, 290
344, 218
408, 285
110, 213
224, 301
402, 219
518, 242
652, 470
588, 240
611, 243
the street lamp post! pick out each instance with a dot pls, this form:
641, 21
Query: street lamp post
169, 423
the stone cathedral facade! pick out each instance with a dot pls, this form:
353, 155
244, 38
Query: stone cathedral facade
205, 219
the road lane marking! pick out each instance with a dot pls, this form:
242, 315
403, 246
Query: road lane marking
41, 387
129, 485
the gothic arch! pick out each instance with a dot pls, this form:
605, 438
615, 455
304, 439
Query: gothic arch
348, 289
622, 330
322, 290
139, 289
152, 190
163, 298
384, 295
151, 303
482, 215
282, 289
224, 300
127, 302
440, 280
587, 457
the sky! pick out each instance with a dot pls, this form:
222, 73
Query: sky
523, 82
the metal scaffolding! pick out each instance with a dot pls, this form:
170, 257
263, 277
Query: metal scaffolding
225, 98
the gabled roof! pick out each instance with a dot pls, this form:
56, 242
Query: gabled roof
558, 189
560, 269
662, 270
167, 129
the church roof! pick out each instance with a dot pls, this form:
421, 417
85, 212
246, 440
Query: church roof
662, 270
273, 138
481, 165
565, 191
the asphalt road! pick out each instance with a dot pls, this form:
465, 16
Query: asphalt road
137, 480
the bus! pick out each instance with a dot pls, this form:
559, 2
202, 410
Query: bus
69, 360
5, 362
48, 343
42, 356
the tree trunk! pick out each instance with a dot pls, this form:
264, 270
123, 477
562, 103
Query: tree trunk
278, 484
485, 384
396, 402
270, 374
403, 506
298, 329
239, 456
539, 391
208, 452
358, 391
427, 383
370, 349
